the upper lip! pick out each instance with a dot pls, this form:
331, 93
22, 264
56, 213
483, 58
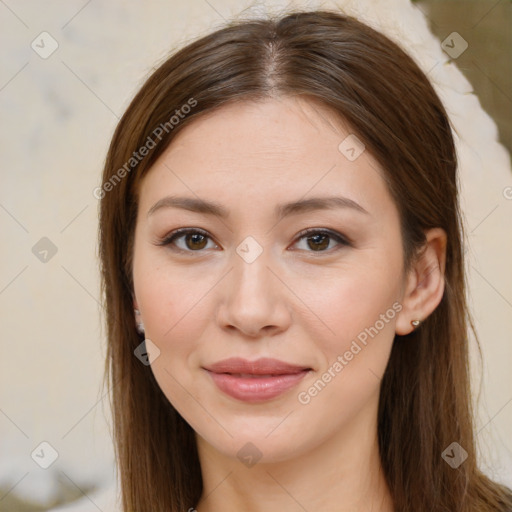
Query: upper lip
262, 366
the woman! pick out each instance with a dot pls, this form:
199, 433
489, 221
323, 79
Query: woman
284, 285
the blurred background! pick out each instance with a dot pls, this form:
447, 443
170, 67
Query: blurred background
488, 64
69, 69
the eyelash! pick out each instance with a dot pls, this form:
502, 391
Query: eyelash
179, 233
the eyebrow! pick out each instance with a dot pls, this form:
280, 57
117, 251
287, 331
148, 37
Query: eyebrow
282, 210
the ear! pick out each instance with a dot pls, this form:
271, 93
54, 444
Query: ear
424, 285
135, 306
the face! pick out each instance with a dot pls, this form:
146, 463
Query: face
271, 313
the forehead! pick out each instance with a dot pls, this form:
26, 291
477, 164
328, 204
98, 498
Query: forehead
278, 130
266, 152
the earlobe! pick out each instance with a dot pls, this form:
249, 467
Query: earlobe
138, 320
425, 283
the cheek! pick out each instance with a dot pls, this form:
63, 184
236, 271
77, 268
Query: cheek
173, 304
359, 303
361, 311
171, 298
352, 302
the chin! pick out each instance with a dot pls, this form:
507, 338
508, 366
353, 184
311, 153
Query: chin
265, 440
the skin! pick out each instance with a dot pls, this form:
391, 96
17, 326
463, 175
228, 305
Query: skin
294, 302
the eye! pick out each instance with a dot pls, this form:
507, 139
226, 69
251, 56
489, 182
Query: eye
320, 240
194, 239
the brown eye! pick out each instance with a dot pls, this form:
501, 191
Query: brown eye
321, 240
318, 242
195, 240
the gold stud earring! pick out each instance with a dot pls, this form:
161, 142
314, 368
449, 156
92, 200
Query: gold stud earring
415, 323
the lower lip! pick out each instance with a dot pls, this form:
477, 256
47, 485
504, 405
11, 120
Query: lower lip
256, 389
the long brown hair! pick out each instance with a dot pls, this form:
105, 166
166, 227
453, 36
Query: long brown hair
375, 87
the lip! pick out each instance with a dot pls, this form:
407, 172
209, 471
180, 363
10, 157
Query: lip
255, 381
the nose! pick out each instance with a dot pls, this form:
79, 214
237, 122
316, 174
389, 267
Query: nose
253, 299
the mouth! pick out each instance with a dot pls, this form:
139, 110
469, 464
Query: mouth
255, 381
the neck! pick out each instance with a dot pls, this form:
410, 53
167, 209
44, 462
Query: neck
342, 474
